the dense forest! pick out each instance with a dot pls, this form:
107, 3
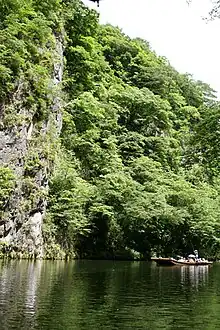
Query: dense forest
135, 170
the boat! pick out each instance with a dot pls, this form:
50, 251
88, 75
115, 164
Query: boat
181, 262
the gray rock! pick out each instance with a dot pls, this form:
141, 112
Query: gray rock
21, 227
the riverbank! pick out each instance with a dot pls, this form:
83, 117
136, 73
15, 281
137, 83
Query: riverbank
56, 253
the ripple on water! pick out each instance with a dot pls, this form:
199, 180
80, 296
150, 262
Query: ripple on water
107, 295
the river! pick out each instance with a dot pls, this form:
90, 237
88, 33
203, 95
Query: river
87, 295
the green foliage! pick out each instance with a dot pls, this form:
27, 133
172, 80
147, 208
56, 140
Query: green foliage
70, 199
137, 163
141, 141
7, 184
26, 54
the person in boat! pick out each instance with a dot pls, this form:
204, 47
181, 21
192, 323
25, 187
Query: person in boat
181, 259
191, 258
194, 257
196, 254
197, 259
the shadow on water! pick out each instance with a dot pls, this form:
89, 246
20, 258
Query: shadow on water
108, 295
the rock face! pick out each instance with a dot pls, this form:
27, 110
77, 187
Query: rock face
26, 148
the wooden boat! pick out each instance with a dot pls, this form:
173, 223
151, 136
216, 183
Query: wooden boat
173, 262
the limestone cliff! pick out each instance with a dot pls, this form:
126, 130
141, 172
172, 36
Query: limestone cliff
26, 147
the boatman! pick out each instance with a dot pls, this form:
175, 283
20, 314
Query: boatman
196, 254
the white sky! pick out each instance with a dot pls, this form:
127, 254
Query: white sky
174, 29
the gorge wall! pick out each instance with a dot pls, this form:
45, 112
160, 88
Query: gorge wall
31, 122
106, 151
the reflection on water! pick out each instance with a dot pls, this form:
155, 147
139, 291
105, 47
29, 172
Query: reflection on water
20, 285
108, 295
195, 275
33, 274
18, 293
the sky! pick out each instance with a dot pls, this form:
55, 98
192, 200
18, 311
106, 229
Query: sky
174, 29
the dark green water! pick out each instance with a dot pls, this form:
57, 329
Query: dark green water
108, 295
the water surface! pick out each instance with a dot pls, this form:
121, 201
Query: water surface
108, 295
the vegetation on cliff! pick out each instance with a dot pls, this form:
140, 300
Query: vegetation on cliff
30, 33
136, 169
